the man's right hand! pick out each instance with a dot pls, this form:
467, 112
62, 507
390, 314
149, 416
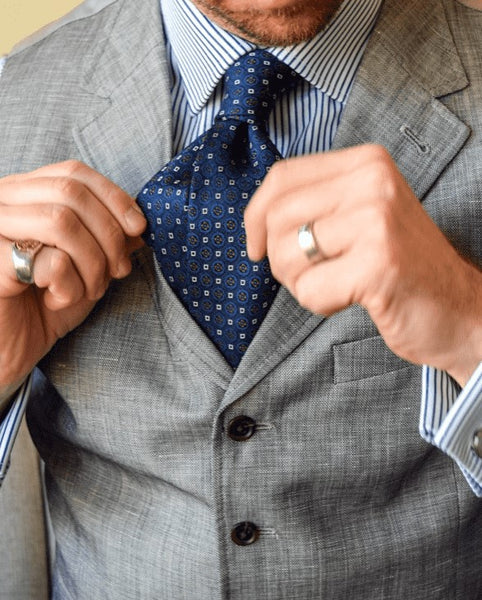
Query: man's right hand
89, 227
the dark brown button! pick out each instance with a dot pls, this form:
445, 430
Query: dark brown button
241, 428
477, 443
245, 533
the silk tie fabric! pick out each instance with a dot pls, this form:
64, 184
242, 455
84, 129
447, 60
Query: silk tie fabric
195, 204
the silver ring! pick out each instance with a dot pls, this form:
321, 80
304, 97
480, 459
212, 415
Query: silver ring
307, 242
23, 255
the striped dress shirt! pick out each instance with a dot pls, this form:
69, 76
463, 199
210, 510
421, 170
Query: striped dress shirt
304, 121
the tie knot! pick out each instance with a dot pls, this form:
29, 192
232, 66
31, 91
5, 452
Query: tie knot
252, 85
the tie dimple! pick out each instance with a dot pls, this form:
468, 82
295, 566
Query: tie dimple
195, 206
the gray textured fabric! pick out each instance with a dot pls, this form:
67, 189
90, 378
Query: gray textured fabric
143, 482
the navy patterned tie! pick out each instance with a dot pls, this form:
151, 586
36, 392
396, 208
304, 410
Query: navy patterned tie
195, 204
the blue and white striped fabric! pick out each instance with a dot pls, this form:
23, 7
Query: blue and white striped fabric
449, 419
305, 121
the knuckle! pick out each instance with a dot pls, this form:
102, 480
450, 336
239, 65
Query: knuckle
68, 188
388, 187
382, 175
378, 304
63, 219
68, 298
303, 295
380, 179
376, 153
73, 167
60, 264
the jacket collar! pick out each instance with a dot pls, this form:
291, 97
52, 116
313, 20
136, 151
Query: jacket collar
127, 136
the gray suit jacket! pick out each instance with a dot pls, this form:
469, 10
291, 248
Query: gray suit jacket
143, 480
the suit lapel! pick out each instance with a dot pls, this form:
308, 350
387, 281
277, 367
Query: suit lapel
127, 136
393, 102
394, 98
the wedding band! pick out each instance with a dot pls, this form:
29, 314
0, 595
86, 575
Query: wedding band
23, 255
307, 242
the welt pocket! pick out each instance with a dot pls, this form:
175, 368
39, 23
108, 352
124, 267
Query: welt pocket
365, 358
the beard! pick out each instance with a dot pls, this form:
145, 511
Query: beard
273, 26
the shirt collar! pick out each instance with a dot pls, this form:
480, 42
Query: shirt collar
203, 51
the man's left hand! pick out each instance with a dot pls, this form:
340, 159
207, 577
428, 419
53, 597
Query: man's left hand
377, 248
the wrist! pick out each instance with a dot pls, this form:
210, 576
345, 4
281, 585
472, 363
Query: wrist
467, 338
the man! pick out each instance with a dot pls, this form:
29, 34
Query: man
298, 473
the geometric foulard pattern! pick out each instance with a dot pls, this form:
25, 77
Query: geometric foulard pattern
195, 205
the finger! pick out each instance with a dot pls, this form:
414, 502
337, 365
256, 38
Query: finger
330, 285
122, 207
71, 194
339, 197
55, 272
288, 259
59, 227
52, 270
309, 168
9, 284
296, 173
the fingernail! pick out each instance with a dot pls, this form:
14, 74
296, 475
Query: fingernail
134, 218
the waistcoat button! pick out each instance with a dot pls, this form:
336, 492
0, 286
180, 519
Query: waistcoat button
241, 428
477, 443
245, 533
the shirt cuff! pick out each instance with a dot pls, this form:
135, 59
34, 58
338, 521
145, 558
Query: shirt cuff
10, 425
451, 419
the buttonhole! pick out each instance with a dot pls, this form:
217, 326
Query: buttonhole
269, 532
421, 146
264, 426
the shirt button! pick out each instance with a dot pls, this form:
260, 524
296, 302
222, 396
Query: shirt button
477, 443
241, 428
245, 533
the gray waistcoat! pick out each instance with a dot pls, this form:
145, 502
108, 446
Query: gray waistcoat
144, 481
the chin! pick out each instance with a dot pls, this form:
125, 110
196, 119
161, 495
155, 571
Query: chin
274, 34
271, 22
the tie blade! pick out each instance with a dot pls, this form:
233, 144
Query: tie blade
195, 207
